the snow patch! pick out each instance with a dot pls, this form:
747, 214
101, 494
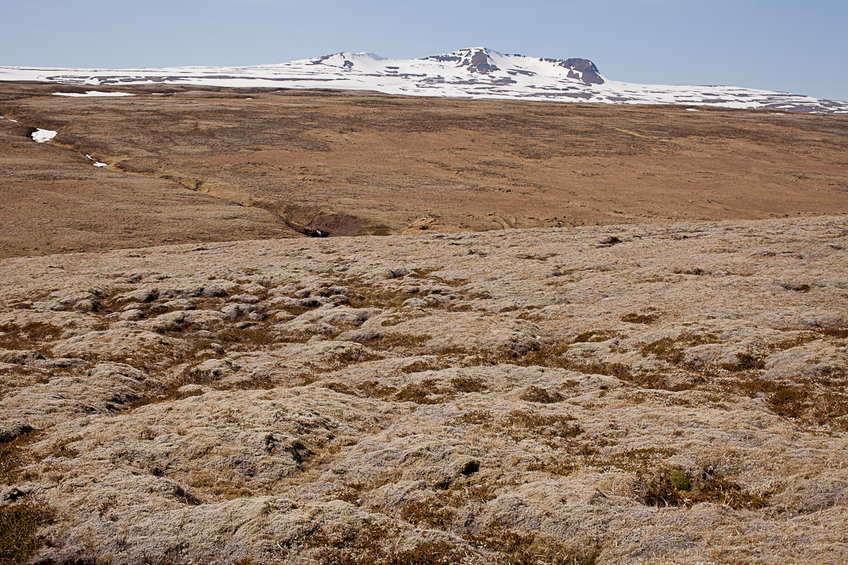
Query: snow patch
43, 135
96, 163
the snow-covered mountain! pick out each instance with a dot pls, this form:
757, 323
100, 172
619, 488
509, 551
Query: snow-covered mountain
475, 73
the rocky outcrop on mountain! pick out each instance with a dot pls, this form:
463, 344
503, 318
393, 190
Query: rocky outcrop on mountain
655, 394
587, 70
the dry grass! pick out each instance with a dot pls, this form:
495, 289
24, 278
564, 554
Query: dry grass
429, 364
363, 295
468, 384
19, 525
516, 548
371, 545
632, 460
821, 401
634, 318
674, 487
231, 141
594, 336
14, 455
249, 338
32, 335
746, 362
426, 513
541, 395
427, 391
20, 518
671, 350
522, 424
554, 466
482, 418
407, 342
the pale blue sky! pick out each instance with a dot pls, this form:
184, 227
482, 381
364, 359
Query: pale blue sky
790, 46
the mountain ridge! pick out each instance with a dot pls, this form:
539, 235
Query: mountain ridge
475, 72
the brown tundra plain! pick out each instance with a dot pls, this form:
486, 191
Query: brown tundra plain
537, 333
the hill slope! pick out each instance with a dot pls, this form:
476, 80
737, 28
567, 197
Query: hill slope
213, 164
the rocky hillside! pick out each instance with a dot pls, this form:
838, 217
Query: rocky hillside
654, 394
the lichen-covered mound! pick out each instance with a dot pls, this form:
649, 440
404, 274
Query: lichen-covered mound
659, 394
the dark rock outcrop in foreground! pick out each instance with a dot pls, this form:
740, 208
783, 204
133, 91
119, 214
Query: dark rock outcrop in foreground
659, 394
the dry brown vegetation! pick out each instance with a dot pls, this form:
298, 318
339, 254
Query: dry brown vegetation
638, 391
399, 400
212, 164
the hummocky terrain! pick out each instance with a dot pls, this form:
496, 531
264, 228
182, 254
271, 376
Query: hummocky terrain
651, 368
617, 394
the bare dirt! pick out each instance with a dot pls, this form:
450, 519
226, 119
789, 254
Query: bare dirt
352, 163
656, 389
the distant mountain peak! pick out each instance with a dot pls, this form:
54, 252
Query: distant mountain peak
473, 72
474, 59
484, 61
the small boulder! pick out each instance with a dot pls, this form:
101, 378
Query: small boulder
87, 305
414, 303
231, 311
25, 357
143, 295
10, 431
214, 291
132, 314
216, 368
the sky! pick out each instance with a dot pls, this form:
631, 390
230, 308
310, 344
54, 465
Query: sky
782, 45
